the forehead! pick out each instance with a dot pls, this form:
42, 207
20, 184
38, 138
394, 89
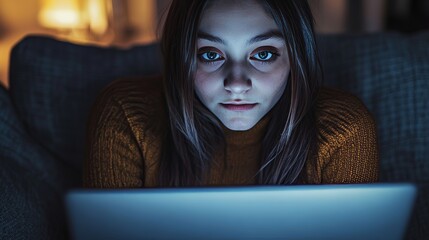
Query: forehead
236, 17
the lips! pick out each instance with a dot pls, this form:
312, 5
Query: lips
239, 107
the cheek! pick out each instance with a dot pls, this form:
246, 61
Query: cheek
205, 86
275, 82
280, 73
211, 67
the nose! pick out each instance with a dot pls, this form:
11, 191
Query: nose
237, 81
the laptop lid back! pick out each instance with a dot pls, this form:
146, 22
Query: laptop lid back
366, 211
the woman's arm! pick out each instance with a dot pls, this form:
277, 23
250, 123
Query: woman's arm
356, 160
114, 158
352, 150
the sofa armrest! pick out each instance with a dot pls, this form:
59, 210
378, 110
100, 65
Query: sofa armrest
418, 226
18, 147
30, 209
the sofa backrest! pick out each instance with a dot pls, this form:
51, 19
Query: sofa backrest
389, 72
54, 83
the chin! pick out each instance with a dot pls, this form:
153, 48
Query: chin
238, 125
239, 128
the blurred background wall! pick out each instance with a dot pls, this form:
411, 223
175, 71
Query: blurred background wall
334, 16
124, 23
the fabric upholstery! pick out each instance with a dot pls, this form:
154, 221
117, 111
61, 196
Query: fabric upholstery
390, 73
31, 182
54, 83
18, 147
418, 227
29, 207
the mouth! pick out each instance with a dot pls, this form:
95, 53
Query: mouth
238, 107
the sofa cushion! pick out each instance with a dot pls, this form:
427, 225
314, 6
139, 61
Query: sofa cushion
390, 73
54, 83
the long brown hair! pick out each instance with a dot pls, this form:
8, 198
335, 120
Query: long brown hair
195, 133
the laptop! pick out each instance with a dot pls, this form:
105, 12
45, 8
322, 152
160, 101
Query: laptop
349, 211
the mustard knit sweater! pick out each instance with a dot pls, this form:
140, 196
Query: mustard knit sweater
124, 140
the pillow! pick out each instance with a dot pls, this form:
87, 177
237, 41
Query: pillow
390, 73
53, 85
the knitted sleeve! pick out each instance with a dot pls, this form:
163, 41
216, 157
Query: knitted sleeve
114, 158
350, 137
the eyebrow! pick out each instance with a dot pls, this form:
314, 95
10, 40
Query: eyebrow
265, 36
261, 37
210, 37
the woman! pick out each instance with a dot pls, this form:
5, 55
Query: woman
239, 104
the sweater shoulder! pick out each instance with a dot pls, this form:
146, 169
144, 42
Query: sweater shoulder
336, 103
140, 99
339, 115
135, 90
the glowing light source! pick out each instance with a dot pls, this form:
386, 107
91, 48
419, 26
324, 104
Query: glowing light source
115, 21
61, 14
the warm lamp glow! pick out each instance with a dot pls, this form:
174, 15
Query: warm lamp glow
115, 21
97, 16
61, 14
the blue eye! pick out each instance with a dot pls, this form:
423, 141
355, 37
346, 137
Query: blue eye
263, 55
210, 56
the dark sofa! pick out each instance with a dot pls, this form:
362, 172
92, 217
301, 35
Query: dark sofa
53, 84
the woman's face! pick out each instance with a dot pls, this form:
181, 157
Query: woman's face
242, 60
